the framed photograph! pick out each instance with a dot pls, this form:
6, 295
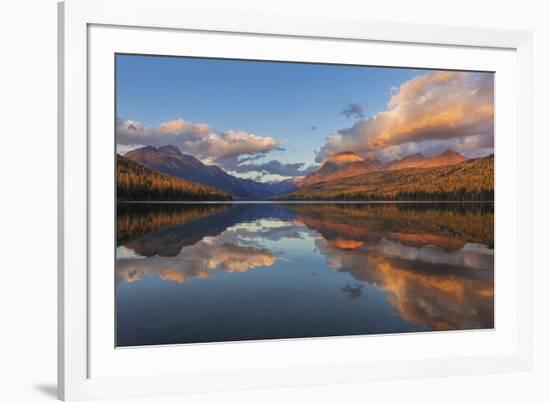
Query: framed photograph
253, 201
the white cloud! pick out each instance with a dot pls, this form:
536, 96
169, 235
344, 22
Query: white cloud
199, 140
236, 151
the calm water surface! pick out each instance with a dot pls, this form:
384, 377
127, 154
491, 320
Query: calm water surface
222, 272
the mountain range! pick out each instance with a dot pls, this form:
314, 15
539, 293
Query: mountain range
170, 160
136, 182
348, 164
470, 180
344, 175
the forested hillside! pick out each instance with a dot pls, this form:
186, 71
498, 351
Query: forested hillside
139, 183
472, 180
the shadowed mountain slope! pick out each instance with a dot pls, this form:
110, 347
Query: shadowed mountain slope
139, 183
170, 160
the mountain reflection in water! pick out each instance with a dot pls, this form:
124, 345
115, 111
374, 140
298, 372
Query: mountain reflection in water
220, 272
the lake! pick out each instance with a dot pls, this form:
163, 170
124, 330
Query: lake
188, 273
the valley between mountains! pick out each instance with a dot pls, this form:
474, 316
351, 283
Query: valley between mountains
167, 174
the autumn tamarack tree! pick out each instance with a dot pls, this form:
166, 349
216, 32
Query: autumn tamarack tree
139, 183
468, 181
468, 222
135, 221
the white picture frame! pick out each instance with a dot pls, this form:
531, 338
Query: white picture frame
78, 332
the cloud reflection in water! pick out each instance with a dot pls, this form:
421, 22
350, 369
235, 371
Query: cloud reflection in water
429, 264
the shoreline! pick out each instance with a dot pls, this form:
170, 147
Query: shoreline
304, 202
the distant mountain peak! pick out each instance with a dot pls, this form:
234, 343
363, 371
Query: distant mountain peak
417, 160
170, 148
451, 152
450, 156
340, 165
145, 148
371, 157
348, 164
415, 156
168, 159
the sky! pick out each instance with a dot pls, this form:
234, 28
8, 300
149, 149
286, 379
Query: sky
274, 120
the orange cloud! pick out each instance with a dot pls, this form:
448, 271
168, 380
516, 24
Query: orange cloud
182, 126
434, 295
344, 157
345, 244
439, 106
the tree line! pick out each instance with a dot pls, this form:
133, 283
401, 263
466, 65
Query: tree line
468, 181
139, 183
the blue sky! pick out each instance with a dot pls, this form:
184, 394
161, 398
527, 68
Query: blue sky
298, 105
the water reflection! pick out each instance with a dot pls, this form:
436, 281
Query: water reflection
301, 270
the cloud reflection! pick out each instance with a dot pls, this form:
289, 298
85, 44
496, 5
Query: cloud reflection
430, 277
427, 286
197, 261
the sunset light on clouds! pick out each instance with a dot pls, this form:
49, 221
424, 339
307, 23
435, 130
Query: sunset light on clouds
257, 122
432, 112
277, 200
